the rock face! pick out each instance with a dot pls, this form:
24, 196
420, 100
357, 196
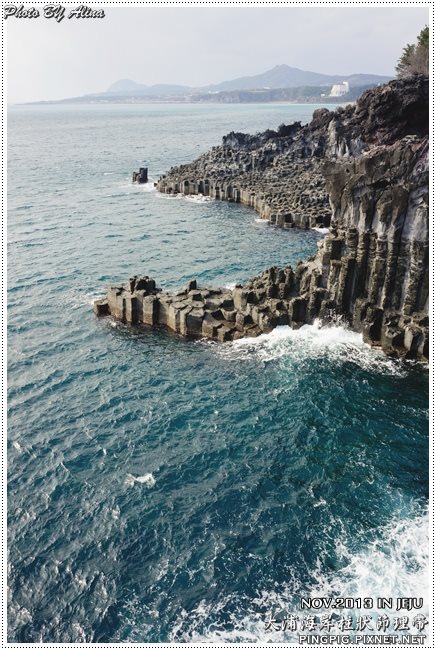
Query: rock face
141, 176
279, 174
276, 173
371, 161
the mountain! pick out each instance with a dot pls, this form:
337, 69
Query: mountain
129, 87
280, 77
125, 85
283, 76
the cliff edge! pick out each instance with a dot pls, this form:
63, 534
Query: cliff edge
362, 170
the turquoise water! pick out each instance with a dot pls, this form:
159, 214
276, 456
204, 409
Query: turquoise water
167, 490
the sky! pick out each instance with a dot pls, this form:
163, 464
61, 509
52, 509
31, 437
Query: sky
199, 46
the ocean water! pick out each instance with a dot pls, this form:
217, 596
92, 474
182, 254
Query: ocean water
168, 490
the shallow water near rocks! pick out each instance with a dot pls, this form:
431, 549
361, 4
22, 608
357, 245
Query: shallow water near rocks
169, 490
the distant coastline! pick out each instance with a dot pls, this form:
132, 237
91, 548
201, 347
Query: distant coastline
298, 95
192, 102
280, 84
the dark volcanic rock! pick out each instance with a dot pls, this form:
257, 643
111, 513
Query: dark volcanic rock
141, 176
363, 170
399, 108
278, 172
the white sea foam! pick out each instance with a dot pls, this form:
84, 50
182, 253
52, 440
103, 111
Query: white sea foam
16, 445
396, 564
146, 479
198, 198
323, 231
76, 299
148, 187
128, 186
192, 198
334, 341
170, 197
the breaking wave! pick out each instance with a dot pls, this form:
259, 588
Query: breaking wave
335, 342
149, 187
146, 479
395, 564
198, 198
192, 198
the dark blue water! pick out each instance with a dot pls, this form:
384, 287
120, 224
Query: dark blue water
165, 490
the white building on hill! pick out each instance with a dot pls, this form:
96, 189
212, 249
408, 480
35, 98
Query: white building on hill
340, 89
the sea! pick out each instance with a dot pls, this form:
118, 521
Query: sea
165, 490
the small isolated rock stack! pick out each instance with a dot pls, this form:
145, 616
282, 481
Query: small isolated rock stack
371, 161
141, 176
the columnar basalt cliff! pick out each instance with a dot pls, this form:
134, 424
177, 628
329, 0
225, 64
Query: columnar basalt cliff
370, 162
276, 173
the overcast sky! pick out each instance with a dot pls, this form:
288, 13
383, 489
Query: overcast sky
199, 46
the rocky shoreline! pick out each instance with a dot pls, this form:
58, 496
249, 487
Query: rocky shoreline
276, 173
360, 170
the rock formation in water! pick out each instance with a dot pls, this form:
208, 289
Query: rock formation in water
363, 170
141, 176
